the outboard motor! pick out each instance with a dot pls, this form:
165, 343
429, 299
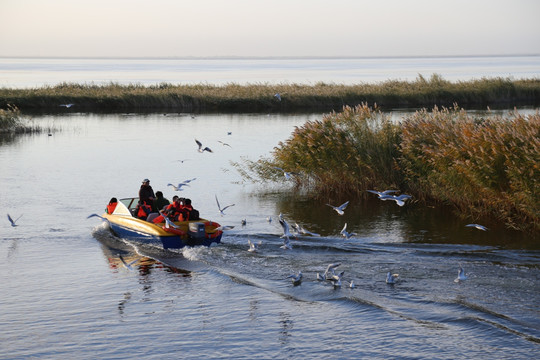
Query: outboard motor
196, 232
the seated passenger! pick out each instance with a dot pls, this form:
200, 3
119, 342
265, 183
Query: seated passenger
143, 210
112, 205
172, 211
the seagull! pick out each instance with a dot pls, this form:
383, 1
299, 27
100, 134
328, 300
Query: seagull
296, 279
461, 275
330, 268
287, 174
220, 209
67, 106
277, 96
400, 200
168, 222
201, 149
225, 227
336, 279
302, 230
254, 247
286, 244
13, 222
269, 219
352, 285
346, 234
182, 161
320, 277
339, 209
244, 222
126, 264
382, 193
224, 144
391, 278
178, 187
477, 226
285, 226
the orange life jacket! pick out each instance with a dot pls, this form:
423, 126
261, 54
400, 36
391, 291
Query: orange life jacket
143, 211
111, 207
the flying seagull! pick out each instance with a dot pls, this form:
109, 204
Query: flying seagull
477, 226
330, 268
224, 144
67, 106
382, 193
400, 200
277, 96
339, 209
201, 149
461, 275
287, 174
13, 222
303, 230
253, 247
285, 226
219, 207
391, 278
296, 279
346, 234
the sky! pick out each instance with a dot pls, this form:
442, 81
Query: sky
261, 28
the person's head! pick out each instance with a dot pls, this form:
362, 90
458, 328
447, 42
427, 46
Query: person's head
146, 182
113, 200
159, 194
174, 198
187, 201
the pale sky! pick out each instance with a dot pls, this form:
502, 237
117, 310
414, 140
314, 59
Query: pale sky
178, 28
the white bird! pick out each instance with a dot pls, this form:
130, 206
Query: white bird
382, 193
296, 279
287, 174
391, 278
225, 227
339, 209
169, 223
178, 187
221, 210
126, 264
320, 277
67, 106
269, 219
224, 144
13, 222
330, 268
254, 247
336, 279
477, 226
286, 244
461, 275
285, 226
201, 149
400, 200
346, 234
303, 230
352, 285
277, 96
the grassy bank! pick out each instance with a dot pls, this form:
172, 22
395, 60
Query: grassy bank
12, 122
484, 167
260, 97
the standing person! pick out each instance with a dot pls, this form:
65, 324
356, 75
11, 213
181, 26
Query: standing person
160, 202
146, 193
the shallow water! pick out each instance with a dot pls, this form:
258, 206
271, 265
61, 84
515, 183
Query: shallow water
66, 294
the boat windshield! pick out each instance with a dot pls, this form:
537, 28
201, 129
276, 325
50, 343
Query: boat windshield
125, 205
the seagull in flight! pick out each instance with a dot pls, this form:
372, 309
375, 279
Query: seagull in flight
287, 174
296, 279
286, 244
461, 275
179, 186
254, 247
336, 279
201, 149
225, 227
67, 106
224, 144
477, 226
382, 193
285, 226
13, 222
303, 230
346, 234
221, 210
182, 161
330, 269
400, 200
277, 96
339, 209
391, 278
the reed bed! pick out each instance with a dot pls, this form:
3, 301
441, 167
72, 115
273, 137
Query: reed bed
260, 97
12, 122
483, 167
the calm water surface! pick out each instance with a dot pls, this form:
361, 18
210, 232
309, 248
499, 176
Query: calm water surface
65, 293
33, 72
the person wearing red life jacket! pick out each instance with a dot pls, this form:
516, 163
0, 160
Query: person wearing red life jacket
171, 211
143, 210
111, 206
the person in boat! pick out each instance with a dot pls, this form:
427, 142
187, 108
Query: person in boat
160, 202
111, 206
146, 193
142, 210
171, 211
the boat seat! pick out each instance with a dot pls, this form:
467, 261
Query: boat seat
152, 216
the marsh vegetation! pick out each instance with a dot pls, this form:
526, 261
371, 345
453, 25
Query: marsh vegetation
482, 166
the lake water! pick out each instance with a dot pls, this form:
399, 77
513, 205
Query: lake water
66, 295
34, 72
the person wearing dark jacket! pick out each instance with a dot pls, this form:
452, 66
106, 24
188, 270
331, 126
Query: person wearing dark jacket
146, 193
160, 202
